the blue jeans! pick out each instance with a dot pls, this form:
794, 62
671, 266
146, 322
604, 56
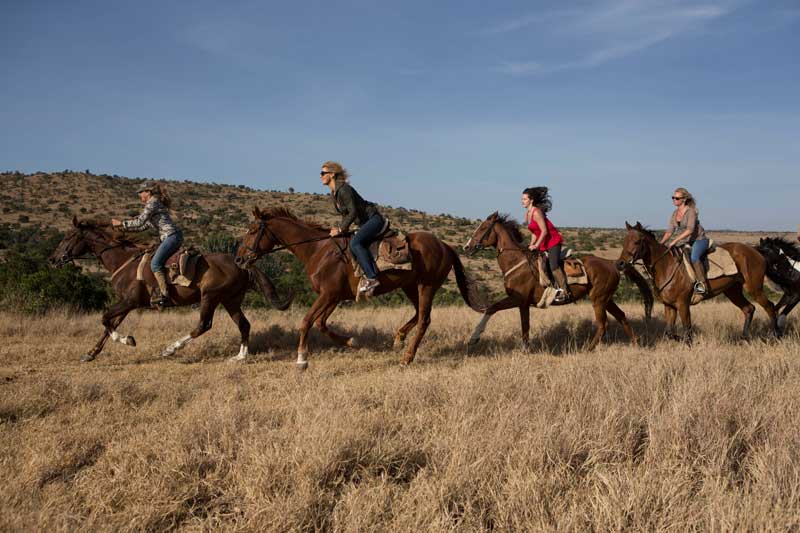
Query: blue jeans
359, 244
699, 249
167, 247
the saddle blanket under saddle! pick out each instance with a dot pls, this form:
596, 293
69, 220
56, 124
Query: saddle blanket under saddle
576, 275
719, 263
181, 266
391, 251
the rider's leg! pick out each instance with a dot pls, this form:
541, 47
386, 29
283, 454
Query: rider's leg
167, 247
560, 277
359, 245
699, 249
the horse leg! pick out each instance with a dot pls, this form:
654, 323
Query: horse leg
506, 303
670, 314
791, 301
111, 320
734, 294
761, 299
684, 310
525, 324
400, 335
317, 308
619, 315
234, 310
426, 293
322, 325
601, 320
207, 307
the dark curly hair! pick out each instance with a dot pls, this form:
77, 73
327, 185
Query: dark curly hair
540, 198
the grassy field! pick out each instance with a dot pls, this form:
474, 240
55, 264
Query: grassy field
658, 436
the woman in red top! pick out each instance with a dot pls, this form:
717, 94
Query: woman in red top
545, 237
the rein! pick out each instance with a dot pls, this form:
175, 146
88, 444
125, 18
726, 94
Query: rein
262, 228
651, 272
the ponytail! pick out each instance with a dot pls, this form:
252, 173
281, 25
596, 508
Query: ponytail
161, 191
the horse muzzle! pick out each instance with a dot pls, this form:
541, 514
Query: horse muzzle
622, 265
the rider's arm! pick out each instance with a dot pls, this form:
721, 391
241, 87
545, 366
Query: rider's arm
670, 229
691, 223
141, 222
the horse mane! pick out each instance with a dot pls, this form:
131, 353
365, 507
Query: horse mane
647, 231
282, 212
789, 248
512, 226
104, 226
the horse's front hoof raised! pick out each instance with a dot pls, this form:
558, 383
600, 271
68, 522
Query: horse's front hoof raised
86, 358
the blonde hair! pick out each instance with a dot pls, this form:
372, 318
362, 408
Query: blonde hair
688, 198
339, 172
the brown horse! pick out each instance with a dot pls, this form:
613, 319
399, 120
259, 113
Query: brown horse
521, 279
217, 281
327, 263
674, 287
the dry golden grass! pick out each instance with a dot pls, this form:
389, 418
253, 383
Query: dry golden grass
657, 437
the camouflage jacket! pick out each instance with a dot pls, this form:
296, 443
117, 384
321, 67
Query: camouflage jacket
154, 216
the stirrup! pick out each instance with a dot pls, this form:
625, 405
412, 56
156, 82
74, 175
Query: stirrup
700, 288
368, 286
561, 296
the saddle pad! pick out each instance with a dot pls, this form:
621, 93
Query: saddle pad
719, 264
181, 267
576, 272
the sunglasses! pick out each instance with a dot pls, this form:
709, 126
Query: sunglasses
678, 197
323, 172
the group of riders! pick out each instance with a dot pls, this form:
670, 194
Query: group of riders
684, 228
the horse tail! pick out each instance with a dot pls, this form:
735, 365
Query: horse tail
466, 285
268, 290
644, 289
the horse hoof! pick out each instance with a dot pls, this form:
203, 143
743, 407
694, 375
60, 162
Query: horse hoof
130, 341
86, 358
169, 352
350, 343
236, 358
781, 323
302, 365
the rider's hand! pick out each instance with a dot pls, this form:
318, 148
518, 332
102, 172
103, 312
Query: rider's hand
116, 223
532, 247
335, 232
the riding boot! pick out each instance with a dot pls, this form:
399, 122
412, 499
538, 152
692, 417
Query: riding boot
563, 294
701, 283
161, 300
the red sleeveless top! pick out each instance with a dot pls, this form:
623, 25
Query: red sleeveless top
553, 236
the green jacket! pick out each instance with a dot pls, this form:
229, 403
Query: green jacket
351, 206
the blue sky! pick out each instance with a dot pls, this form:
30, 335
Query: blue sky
450, 107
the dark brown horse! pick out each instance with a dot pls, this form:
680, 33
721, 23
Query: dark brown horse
328, 265
674, 287
217, 281
521, 280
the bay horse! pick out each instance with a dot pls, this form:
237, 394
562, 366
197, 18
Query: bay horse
523, 288
217, 281
783, 269
674, 287
329, 268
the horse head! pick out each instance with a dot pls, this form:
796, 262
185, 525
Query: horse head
634, 246
483, 235
258, 240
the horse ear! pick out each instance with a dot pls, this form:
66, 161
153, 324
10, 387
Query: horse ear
494, 215
628, 226
75, 221
257, 212
638, 225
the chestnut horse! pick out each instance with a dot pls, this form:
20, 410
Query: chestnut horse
674, 287
521, 278
217, 281
328, 266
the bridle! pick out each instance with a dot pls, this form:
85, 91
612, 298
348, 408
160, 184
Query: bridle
68, 258
263, 228
638, 255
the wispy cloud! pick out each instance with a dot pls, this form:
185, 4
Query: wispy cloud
607, 31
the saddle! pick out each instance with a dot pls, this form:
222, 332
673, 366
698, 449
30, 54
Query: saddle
390, 251
717, 261
573, 268
181, 266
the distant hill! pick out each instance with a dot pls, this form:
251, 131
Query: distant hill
51, 199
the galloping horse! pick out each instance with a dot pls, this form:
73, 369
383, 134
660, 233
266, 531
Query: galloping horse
783, 269
521, 279
674, 287
217, 281
327, 263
